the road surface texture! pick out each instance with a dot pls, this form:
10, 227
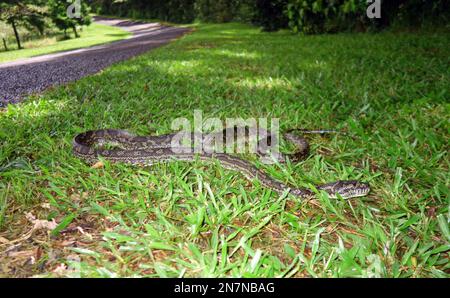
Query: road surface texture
33, 75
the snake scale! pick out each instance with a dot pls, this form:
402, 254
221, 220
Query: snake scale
148, 150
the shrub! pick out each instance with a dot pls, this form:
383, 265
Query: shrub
329, 16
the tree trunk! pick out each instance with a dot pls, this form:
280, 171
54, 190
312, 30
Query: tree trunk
16, 34
75, 31
4, 44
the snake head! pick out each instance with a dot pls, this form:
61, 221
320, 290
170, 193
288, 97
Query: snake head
346, 189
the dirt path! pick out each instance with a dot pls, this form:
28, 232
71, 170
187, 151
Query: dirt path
32, 75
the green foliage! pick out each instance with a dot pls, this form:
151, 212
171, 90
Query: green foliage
307, 16
177, 11
61, 18
330, 16
35, 14
246, 11
218, 11
221, 11
22, 13
181, 11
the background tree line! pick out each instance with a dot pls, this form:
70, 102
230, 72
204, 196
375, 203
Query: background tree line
307, 16
41, 14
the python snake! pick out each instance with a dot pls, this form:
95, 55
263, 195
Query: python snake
148, 150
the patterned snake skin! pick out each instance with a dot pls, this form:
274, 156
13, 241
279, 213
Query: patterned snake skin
148, 150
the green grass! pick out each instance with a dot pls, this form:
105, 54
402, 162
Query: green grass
388, 91
91, 35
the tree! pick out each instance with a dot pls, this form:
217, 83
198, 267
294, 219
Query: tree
35, 22
17, 13
63, 20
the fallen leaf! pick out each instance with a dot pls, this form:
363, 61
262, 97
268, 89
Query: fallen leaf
38, 253
21, 254
40, 223
431, 212
45, 205
66, 243
61, 269
98, 165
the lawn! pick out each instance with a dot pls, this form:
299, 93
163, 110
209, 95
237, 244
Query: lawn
93, 34
389, 92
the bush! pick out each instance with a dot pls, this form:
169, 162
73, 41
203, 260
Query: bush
177, 11
329, 16
325, 16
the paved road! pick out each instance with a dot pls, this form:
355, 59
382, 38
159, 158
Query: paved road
33, 75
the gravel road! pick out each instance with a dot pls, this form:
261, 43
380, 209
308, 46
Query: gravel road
33, 75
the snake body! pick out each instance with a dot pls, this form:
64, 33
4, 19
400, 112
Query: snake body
148, 150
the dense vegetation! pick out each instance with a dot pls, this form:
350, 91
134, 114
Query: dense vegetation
318, 16
308, 16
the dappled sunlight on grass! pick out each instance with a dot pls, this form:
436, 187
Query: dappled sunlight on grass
35, 109
186, 66
237, 54
266, 83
